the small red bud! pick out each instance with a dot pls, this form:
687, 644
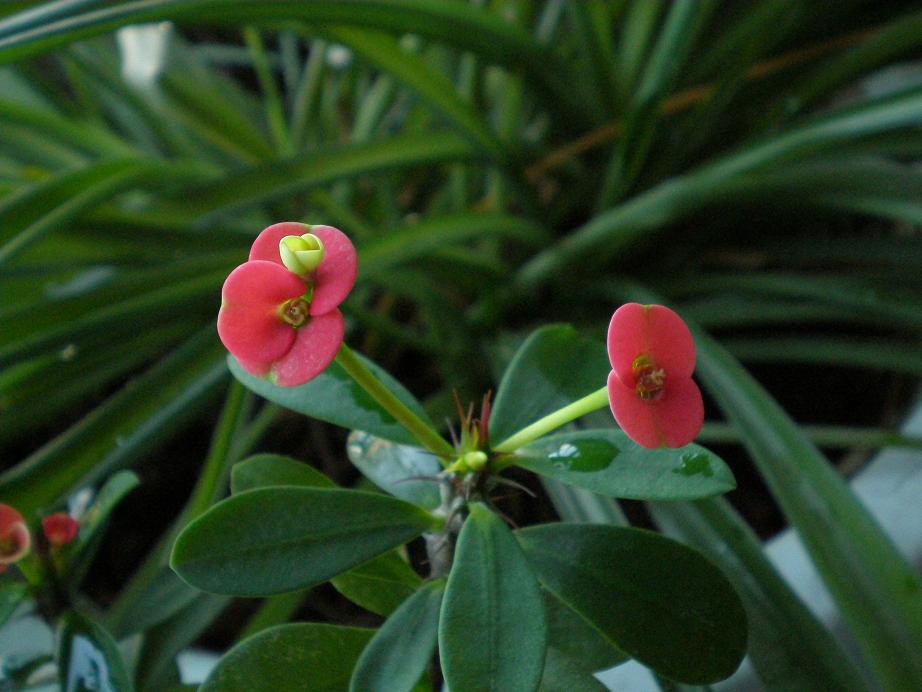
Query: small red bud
60, 529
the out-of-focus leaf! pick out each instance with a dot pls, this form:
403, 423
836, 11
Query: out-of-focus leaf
12, 594
88, 657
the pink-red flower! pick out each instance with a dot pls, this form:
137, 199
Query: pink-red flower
650, 389
60, 529
285, 325
15, 539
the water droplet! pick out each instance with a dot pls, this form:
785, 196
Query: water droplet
695, 464
583, 456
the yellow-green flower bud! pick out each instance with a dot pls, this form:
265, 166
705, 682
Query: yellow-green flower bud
301, 254
475, 460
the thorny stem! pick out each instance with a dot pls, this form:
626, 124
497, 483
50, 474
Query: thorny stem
417, 427
552, 421
440, 547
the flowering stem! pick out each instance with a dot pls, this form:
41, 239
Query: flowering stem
417, 427
562, 416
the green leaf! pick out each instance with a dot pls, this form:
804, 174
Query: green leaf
273, 540
653, 598
788, 647
877, 590
565, 673
264, 470
407, 472
570, 634
336, 398
321, 656
554, 367
492, 632
399, 653
88, 658
380, 585
149, 408
12, 593
608, 463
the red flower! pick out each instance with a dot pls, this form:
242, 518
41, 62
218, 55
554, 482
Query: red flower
15, 539
650, 389
286, 325
60, 529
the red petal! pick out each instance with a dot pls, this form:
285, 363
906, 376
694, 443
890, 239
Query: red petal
314, 349
8, 517
652, 330
249, 323
256, 368
266, 245
336, 274
674, 420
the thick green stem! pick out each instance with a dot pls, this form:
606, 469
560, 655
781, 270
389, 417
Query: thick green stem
417, 427
570, 412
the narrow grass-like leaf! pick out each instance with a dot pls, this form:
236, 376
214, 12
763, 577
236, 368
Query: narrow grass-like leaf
878, 592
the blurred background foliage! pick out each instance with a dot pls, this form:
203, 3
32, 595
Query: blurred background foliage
500, 165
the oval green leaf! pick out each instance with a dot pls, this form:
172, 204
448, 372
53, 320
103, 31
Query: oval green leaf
492, 632
88, 658
398, 655
653, 598
608, 463
379, 585
554, 367
265, 470
319, 657
280, 539
403, 471
336, 398
571, 635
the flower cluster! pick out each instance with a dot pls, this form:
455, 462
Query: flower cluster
650, 389
279, 311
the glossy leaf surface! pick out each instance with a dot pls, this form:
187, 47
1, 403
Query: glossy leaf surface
336, 398
554, 367
608, 463
273, 540
644, 592
404, 471
399, 653
265, 470
492, 631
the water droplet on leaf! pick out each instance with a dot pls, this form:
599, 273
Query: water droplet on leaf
695, 465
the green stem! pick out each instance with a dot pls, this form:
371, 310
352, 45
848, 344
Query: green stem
366, 379
570, 412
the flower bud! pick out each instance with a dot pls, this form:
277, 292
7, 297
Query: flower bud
15, 539
60, 529
302, 254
